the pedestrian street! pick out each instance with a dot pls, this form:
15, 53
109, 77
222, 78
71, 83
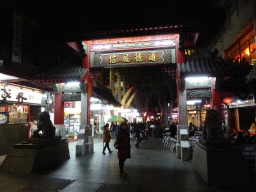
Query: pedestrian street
152, 167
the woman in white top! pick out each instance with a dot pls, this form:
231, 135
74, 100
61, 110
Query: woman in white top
253, 128
33, 128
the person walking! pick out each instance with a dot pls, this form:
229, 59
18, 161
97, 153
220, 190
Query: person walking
106, 138
137, 131
124, 152
113, 129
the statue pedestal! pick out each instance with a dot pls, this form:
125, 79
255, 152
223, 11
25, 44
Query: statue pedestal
85, 144
221, 165
185, 151
182, 135
38, 156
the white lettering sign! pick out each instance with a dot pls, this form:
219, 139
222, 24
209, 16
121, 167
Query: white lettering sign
31, 97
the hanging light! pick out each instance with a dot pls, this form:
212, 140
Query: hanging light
247, 51
227, 100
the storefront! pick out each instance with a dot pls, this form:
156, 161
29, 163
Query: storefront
19, 104
203, 85
19, 107
196, 112
240, 114
100, 112
72, 117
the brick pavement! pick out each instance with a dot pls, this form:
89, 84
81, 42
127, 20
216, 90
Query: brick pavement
151, 168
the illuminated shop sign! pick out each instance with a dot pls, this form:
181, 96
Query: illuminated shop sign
11, 93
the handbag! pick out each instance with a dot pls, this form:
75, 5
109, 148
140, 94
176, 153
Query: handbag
117, 145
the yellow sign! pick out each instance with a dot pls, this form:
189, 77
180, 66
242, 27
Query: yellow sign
126, 59
151, 57
138, 57
161, 56
112, 59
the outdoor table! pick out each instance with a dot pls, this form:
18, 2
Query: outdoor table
173, 144
192, 141
199, 132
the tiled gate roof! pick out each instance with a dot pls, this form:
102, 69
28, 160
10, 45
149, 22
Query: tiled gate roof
213, 67
72, 72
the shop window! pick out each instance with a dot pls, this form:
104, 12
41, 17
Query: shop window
18, 114
189, 53
196, 114
243, 48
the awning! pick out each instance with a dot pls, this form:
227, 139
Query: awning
213, 67
104, 93
10, 75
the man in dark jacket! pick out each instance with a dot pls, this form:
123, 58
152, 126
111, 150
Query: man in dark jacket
137, 131
173, 129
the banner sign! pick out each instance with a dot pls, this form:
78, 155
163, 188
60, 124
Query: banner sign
11, 93
124, 59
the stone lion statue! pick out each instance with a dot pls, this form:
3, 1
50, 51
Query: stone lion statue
44, 124
212, 132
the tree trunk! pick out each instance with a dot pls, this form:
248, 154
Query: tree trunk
165, 113
171, 106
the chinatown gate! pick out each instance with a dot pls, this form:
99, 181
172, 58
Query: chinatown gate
137, 51
116, 53
169, 51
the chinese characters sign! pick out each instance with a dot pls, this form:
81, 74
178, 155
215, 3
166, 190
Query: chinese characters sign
119, 59
11, 93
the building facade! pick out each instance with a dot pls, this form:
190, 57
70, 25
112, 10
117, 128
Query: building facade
235, 41
236, 38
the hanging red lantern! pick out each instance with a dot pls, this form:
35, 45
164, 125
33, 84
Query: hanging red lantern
227, 100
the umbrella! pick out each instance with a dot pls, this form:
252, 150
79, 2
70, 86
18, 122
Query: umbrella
117, 119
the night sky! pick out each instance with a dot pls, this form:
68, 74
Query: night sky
87, 16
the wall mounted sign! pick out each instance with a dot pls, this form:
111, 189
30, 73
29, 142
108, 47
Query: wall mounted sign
198, 84
192, 94
71, 97
12, 93
248, 150
82, 87
123, 59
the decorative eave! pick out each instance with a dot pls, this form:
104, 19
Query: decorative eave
104, 93
213, 67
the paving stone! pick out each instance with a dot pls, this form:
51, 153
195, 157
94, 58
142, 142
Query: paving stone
151, 167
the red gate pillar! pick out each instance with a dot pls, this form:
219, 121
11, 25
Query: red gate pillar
216, 99
181, 89
59, 111
86, 65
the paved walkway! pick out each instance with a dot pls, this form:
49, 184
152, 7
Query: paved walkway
152, 168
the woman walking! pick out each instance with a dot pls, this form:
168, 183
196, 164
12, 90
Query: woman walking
106, 138
124, 152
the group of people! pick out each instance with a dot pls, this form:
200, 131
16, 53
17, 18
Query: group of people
123, 135
242, 137
161, 129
